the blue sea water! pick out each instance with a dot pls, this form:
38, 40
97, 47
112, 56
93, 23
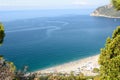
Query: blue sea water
47, 41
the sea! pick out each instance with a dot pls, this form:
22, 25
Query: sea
41, 42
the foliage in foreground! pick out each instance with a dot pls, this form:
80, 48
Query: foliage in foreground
7, 69
66, 77
116, 4
110, 58
2, 34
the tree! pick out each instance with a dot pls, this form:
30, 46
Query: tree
2, 34
116, 4
110, 58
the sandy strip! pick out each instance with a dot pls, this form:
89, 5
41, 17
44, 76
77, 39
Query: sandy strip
84, 66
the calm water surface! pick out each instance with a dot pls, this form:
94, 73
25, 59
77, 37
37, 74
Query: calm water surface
48, 41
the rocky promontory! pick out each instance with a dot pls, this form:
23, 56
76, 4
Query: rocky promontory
106, 11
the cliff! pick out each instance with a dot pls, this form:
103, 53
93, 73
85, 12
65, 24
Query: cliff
106, 11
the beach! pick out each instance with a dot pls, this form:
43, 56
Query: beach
85, 66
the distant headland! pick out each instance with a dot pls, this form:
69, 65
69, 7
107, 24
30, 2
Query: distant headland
106, 11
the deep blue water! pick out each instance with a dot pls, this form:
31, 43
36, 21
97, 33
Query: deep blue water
25, 14
48, 41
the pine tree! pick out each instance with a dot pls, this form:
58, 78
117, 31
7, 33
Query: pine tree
110, 58
2, 34
116, 4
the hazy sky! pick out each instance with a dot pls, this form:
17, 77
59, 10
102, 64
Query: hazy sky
50, 4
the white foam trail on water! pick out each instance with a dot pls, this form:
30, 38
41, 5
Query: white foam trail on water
30, 29
64, 23
50, 29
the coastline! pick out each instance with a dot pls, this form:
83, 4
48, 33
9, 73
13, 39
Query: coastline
85, 66
104, 16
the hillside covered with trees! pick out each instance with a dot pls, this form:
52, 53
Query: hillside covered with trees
106, 11
111, 10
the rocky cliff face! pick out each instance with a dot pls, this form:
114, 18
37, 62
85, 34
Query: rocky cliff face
106, 11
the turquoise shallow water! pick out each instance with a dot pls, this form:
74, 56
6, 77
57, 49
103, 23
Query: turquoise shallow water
49, 41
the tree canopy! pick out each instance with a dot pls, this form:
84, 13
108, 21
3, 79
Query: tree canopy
2, 34
110, 55
116, 4
110, 58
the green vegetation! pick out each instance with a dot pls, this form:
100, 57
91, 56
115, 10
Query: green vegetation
111, 10
116, 4
110, 58
2, 34
7, 69
110, 55
66, 77
96, 70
